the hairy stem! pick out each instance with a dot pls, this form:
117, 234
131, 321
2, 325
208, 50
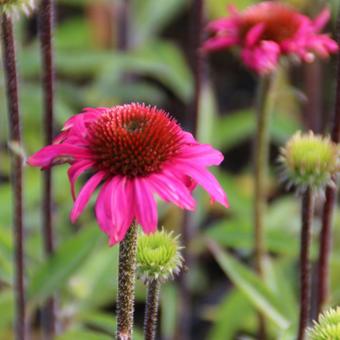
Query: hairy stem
306, 230
123, 25
151, 310
126, 284
46, 14
9, 57
327, 214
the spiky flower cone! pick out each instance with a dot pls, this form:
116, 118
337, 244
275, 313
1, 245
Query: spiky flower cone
158, 260
13, 7
327, 327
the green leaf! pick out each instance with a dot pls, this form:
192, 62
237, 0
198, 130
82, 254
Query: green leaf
52, 274
251, 285
169, 310
235, 308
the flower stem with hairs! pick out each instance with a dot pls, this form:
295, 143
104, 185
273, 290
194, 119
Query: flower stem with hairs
307, 218
151, 310
46, 13
126, 284
9, 56
327, 214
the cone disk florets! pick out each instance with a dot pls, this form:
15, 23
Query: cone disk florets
158, 257
309, 161
327, 327
13, 7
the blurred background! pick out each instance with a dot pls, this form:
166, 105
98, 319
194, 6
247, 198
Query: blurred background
96, 67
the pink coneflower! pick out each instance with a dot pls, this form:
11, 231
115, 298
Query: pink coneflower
136, 151
268, 30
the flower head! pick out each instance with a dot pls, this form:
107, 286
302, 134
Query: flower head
269, 30
135, 151
14, 6
327, 327
158, 256
309, 161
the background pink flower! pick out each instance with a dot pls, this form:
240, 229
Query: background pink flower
268, 30
135, 151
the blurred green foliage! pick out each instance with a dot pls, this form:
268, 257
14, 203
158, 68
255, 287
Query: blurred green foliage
83, 270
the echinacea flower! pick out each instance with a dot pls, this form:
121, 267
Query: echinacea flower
266, 31
309, 161
14, 6
327, 327
135, 151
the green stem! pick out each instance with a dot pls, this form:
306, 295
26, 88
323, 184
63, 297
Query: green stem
126, 284
264, 109
261, 168
151, 310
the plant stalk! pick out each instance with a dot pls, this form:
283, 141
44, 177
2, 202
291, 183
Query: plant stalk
305, 284
126, 284
151, 310
327, 214
123, 26
9, 60
188, 229
46, 15
261, 160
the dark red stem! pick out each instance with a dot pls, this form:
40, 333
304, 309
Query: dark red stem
123, 25
327, 214
46, 15
9, 60
306, 230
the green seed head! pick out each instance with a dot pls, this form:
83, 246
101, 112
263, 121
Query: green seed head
327, 327
13, 7
158, 256
309, 161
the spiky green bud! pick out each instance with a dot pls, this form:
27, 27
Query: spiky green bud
158, 256
13, 7
327, 327
309, 161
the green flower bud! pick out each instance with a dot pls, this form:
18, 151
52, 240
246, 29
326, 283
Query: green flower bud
158, 257
13, 7
309, 161
327, 327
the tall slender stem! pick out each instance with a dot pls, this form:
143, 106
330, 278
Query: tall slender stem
261, 168
126, 284
151, 310
306, 230
196, 61
261, 160
123, 25
9, 57
46, 15
327, 214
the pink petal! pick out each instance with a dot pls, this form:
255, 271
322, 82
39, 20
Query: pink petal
103, 214
85, 194
122, 209
171, 189
75, 171
321, 20
50, 154
219, 43
145, 206
254, 34
204, 178
204, 154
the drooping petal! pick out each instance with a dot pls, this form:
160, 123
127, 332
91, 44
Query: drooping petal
103, 214
218, 43
205, 179
254, 34
170, 189
58, 153
145, 206
75, 171
321, 20
122, 208
204, 154
85, 194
